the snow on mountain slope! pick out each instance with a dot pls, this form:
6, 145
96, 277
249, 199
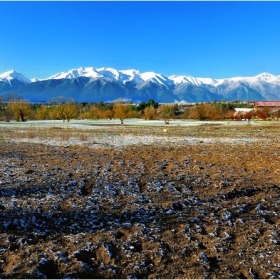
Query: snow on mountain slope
34, 80
178, 80
135, 76
132, 75
94, 73
157, 78
263, 77
76, 73
269, 78
122, 76
210, 81
138, 78
195, 81
111, 73
249, 81
13, 75
148, 84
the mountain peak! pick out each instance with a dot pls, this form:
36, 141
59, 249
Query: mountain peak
76, 73
265, 76
12, 74
9, 73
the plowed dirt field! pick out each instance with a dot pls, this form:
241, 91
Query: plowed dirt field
192, 202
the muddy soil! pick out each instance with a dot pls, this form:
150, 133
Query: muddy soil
143, 211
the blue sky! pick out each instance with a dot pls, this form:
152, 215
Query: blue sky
201, 39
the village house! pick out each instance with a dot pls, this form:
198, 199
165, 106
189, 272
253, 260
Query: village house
272, 105
271, 108
240, 113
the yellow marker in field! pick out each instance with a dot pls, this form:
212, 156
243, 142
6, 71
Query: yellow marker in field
164, 130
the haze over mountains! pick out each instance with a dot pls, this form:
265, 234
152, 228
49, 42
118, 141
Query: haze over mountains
90, 84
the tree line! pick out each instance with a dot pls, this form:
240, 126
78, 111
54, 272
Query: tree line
13, 107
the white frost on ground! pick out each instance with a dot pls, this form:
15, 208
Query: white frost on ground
115, 141
95, 124
122, 141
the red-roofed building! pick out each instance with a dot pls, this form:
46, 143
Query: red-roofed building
274, 105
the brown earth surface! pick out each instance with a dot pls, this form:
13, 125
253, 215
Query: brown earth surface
204, 210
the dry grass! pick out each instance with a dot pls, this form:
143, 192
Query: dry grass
260, 131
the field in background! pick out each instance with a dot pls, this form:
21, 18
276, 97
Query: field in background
112, 134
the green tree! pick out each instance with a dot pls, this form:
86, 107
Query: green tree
151, 102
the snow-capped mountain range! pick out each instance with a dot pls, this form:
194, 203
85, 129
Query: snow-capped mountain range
107, 84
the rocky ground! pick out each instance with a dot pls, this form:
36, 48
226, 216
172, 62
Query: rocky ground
184, 208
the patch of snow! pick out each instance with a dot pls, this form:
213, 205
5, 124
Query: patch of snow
195, 81
34, 80
75, 73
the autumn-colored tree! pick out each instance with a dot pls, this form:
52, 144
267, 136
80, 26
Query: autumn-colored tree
108, 114
166, 112
83, 109
276, 114
229, 114
186, 113
262, 115
249, 115
84, 116
21, 109
5, 112
199, 112
266, 111
70, 111
43, 113
238, 116
65, 111
134, 113
150, 113
213, 111
95, 113
121, 111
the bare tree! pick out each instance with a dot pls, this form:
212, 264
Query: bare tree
61, 99
9, 97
